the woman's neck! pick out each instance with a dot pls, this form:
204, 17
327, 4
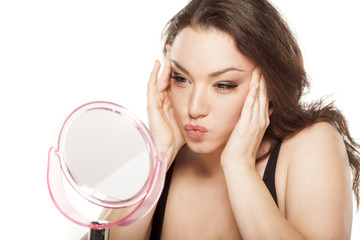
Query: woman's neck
209, 164
202, 164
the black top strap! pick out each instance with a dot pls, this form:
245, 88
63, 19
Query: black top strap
159, 213
269, 173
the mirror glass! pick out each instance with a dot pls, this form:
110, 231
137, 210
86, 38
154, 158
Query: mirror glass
106, 155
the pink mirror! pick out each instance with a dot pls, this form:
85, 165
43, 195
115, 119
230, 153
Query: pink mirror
105, 159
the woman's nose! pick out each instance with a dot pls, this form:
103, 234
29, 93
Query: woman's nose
198, 104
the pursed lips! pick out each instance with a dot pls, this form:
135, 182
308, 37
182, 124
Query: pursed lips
195, 131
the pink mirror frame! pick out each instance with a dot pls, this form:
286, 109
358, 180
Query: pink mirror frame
145, 199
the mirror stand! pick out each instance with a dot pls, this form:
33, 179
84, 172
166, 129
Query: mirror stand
99, 234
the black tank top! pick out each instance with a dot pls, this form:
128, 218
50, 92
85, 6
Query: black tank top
158, 218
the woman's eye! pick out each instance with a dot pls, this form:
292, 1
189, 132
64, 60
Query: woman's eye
179, 79
225, 86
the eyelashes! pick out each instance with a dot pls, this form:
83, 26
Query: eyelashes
178, 78
221, 86
226, 85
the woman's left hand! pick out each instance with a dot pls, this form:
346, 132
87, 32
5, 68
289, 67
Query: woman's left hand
244, 142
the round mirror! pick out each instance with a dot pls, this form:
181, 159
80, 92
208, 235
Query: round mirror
103, 149
106, 154
109, 158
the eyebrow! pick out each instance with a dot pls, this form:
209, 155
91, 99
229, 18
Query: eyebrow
214, 74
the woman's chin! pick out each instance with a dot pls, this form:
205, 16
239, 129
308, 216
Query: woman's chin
204, 148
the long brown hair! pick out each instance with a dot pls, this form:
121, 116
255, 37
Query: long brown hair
263, 36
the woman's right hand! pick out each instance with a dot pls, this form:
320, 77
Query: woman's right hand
163, 126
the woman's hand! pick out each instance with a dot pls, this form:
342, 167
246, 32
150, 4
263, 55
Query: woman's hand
244, 142
163, 126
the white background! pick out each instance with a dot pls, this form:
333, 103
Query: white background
57, 55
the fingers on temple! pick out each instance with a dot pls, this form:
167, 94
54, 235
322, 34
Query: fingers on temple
164, 79
153, 79
264, 102
251, 103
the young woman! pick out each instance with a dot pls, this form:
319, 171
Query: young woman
247, 159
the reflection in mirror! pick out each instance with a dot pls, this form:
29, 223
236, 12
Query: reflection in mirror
104, 149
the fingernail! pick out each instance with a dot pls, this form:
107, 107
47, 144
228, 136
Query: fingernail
155, 63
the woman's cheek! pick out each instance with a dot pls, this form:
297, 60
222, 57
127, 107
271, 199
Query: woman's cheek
234, 113
177, 101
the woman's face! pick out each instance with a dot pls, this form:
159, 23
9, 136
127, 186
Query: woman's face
210, 81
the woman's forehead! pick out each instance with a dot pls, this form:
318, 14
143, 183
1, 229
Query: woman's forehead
210, 48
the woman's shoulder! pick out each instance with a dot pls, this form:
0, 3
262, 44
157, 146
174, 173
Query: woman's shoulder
310, 156
319, 129
314, 182
320, 141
